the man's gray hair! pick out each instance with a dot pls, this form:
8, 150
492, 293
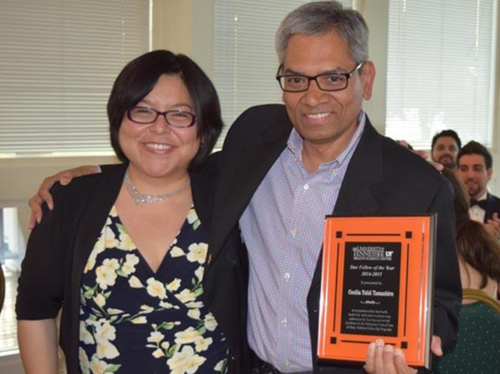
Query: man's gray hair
321, 17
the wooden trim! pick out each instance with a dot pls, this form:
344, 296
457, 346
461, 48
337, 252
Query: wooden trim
470, 294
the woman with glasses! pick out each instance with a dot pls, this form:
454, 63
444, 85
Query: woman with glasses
124, 252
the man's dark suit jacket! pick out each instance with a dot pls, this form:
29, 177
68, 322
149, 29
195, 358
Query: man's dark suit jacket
492, 206
382, 178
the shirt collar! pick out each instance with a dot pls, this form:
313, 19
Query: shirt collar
295, 143
483, 196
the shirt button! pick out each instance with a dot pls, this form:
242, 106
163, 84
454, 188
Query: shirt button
284, 322
306, 186
294, 232
287, 276
287, 363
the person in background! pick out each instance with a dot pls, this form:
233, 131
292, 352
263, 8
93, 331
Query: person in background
478, 250
475, 167
126, 251
445, 147
284, 167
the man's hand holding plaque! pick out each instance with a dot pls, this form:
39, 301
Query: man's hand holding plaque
384, 359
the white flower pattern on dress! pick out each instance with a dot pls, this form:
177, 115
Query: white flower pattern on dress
139, 320
202, 345
129, 266
210, 322
156, 289
198, 252
85, 335
174, 285
186, 296
135, 282
84, 361
190, 335
97, 366
176, 252
179, 344
106, 273
194, 314
220, 366
185, 361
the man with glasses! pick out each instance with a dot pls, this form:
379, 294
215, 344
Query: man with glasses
284, 168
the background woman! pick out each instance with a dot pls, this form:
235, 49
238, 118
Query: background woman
478, 250
125, 251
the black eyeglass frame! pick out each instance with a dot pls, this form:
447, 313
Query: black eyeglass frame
309, 78
164, 114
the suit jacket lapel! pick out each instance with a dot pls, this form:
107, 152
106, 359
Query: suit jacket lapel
242, 170
364, 170
490, 202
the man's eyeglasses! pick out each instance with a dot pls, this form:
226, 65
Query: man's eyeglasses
326, 82
175, 118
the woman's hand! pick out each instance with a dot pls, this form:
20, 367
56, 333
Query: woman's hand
43, 194
493, 225
439, 167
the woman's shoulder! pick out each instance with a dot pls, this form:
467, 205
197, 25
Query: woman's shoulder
81, 189
472, 279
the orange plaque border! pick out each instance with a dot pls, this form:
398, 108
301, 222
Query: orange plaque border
416, 235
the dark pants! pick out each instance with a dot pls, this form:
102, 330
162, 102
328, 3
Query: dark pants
262, 367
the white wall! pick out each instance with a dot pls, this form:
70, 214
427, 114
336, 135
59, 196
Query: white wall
185, 26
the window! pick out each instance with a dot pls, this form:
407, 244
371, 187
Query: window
58, 61
441, 69
245, 61
12, 247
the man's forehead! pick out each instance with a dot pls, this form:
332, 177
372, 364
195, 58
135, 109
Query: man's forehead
473, 159
335, 64
323, 53
297, 69
446, 139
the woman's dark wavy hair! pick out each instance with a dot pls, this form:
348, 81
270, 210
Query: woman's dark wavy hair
476, 245
139, 77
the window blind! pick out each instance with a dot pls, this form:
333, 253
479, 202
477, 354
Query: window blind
58, 61
441, 69
245, 61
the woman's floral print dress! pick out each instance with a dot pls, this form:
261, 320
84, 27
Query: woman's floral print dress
135, 321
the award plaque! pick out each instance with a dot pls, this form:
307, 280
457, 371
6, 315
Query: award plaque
377, 283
